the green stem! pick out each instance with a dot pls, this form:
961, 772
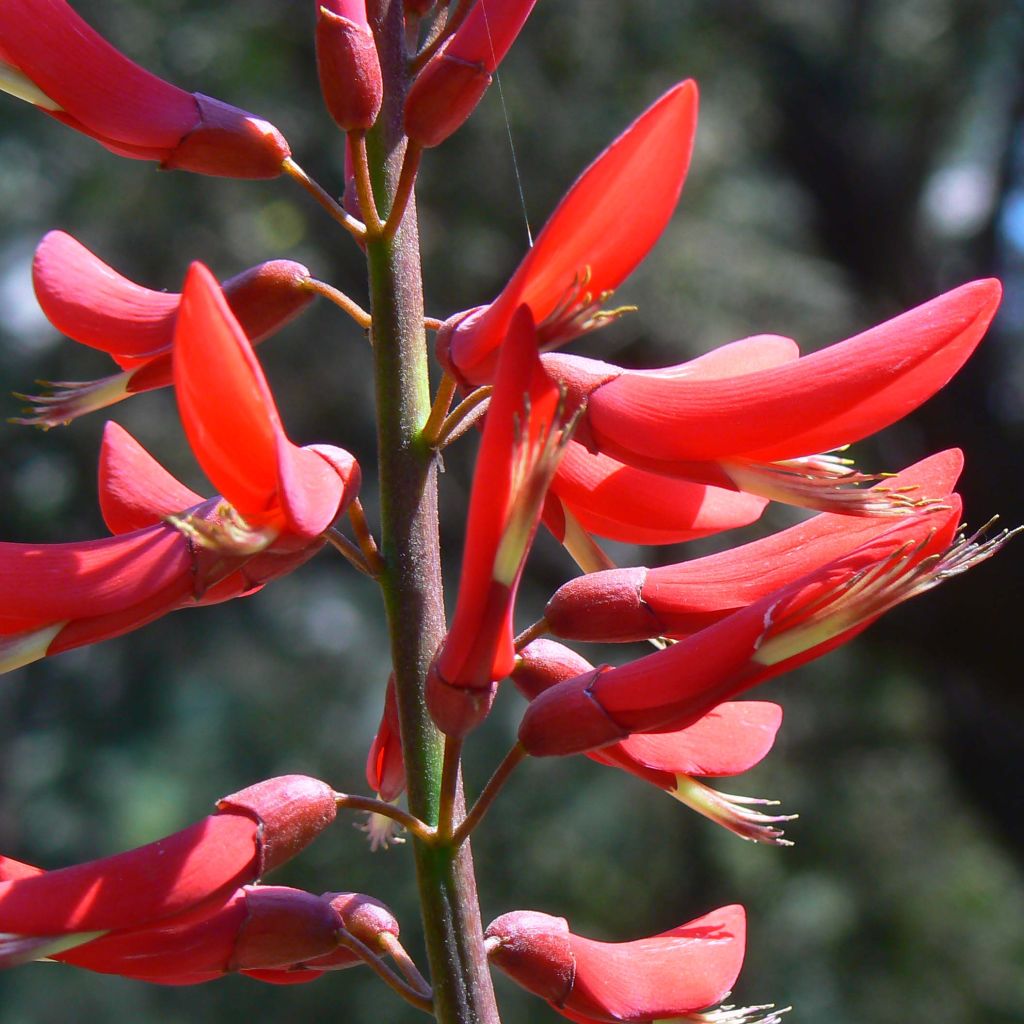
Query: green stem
411, 578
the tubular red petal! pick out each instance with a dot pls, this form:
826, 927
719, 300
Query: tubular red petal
478, 648
135, 490
827, 399
49, 583
97, 85
385, 765
226, 408
635, 604
173, 875
607, 222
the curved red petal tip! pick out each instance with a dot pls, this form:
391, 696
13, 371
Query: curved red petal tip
316, 484
665, 976
92, 303
604, 226
229, 143
226, 408
385, 764
292, 810
135, 490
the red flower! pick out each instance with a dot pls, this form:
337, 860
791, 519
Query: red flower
602, 228
90, 302
385, 766
278, 499
621, 605
252, 832
752, 416
50, 57
522, 441
284, 494
787, 627
672, 975
728, 740
453, 81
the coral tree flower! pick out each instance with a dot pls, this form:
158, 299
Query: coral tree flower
523, 439
53, 59
754, 416
93, 304
455, 78
602, 228
252, 832
728, 740
620, 605
787, 627
674, 975
172, 548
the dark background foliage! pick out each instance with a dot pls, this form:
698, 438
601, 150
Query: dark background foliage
854, 158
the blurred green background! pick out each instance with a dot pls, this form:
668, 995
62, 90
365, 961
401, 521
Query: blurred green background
853, 159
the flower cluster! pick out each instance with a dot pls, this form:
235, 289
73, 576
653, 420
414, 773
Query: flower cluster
590, 449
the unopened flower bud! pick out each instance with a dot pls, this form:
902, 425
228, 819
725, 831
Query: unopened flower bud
283, 926
545, 663
363, 916
535, 950
346, 57
456, 77
604, 607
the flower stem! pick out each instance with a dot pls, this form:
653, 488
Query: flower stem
418, 999
512, 759
342, 301
325, 199
410, 548
409, 822
438, 411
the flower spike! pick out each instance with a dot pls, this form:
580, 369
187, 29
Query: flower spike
52, 58
603, 227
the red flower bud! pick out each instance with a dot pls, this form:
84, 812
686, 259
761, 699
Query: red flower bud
346, 58
456, 77
385, 766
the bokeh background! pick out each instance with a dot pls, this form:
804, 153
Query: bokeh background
855, 157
